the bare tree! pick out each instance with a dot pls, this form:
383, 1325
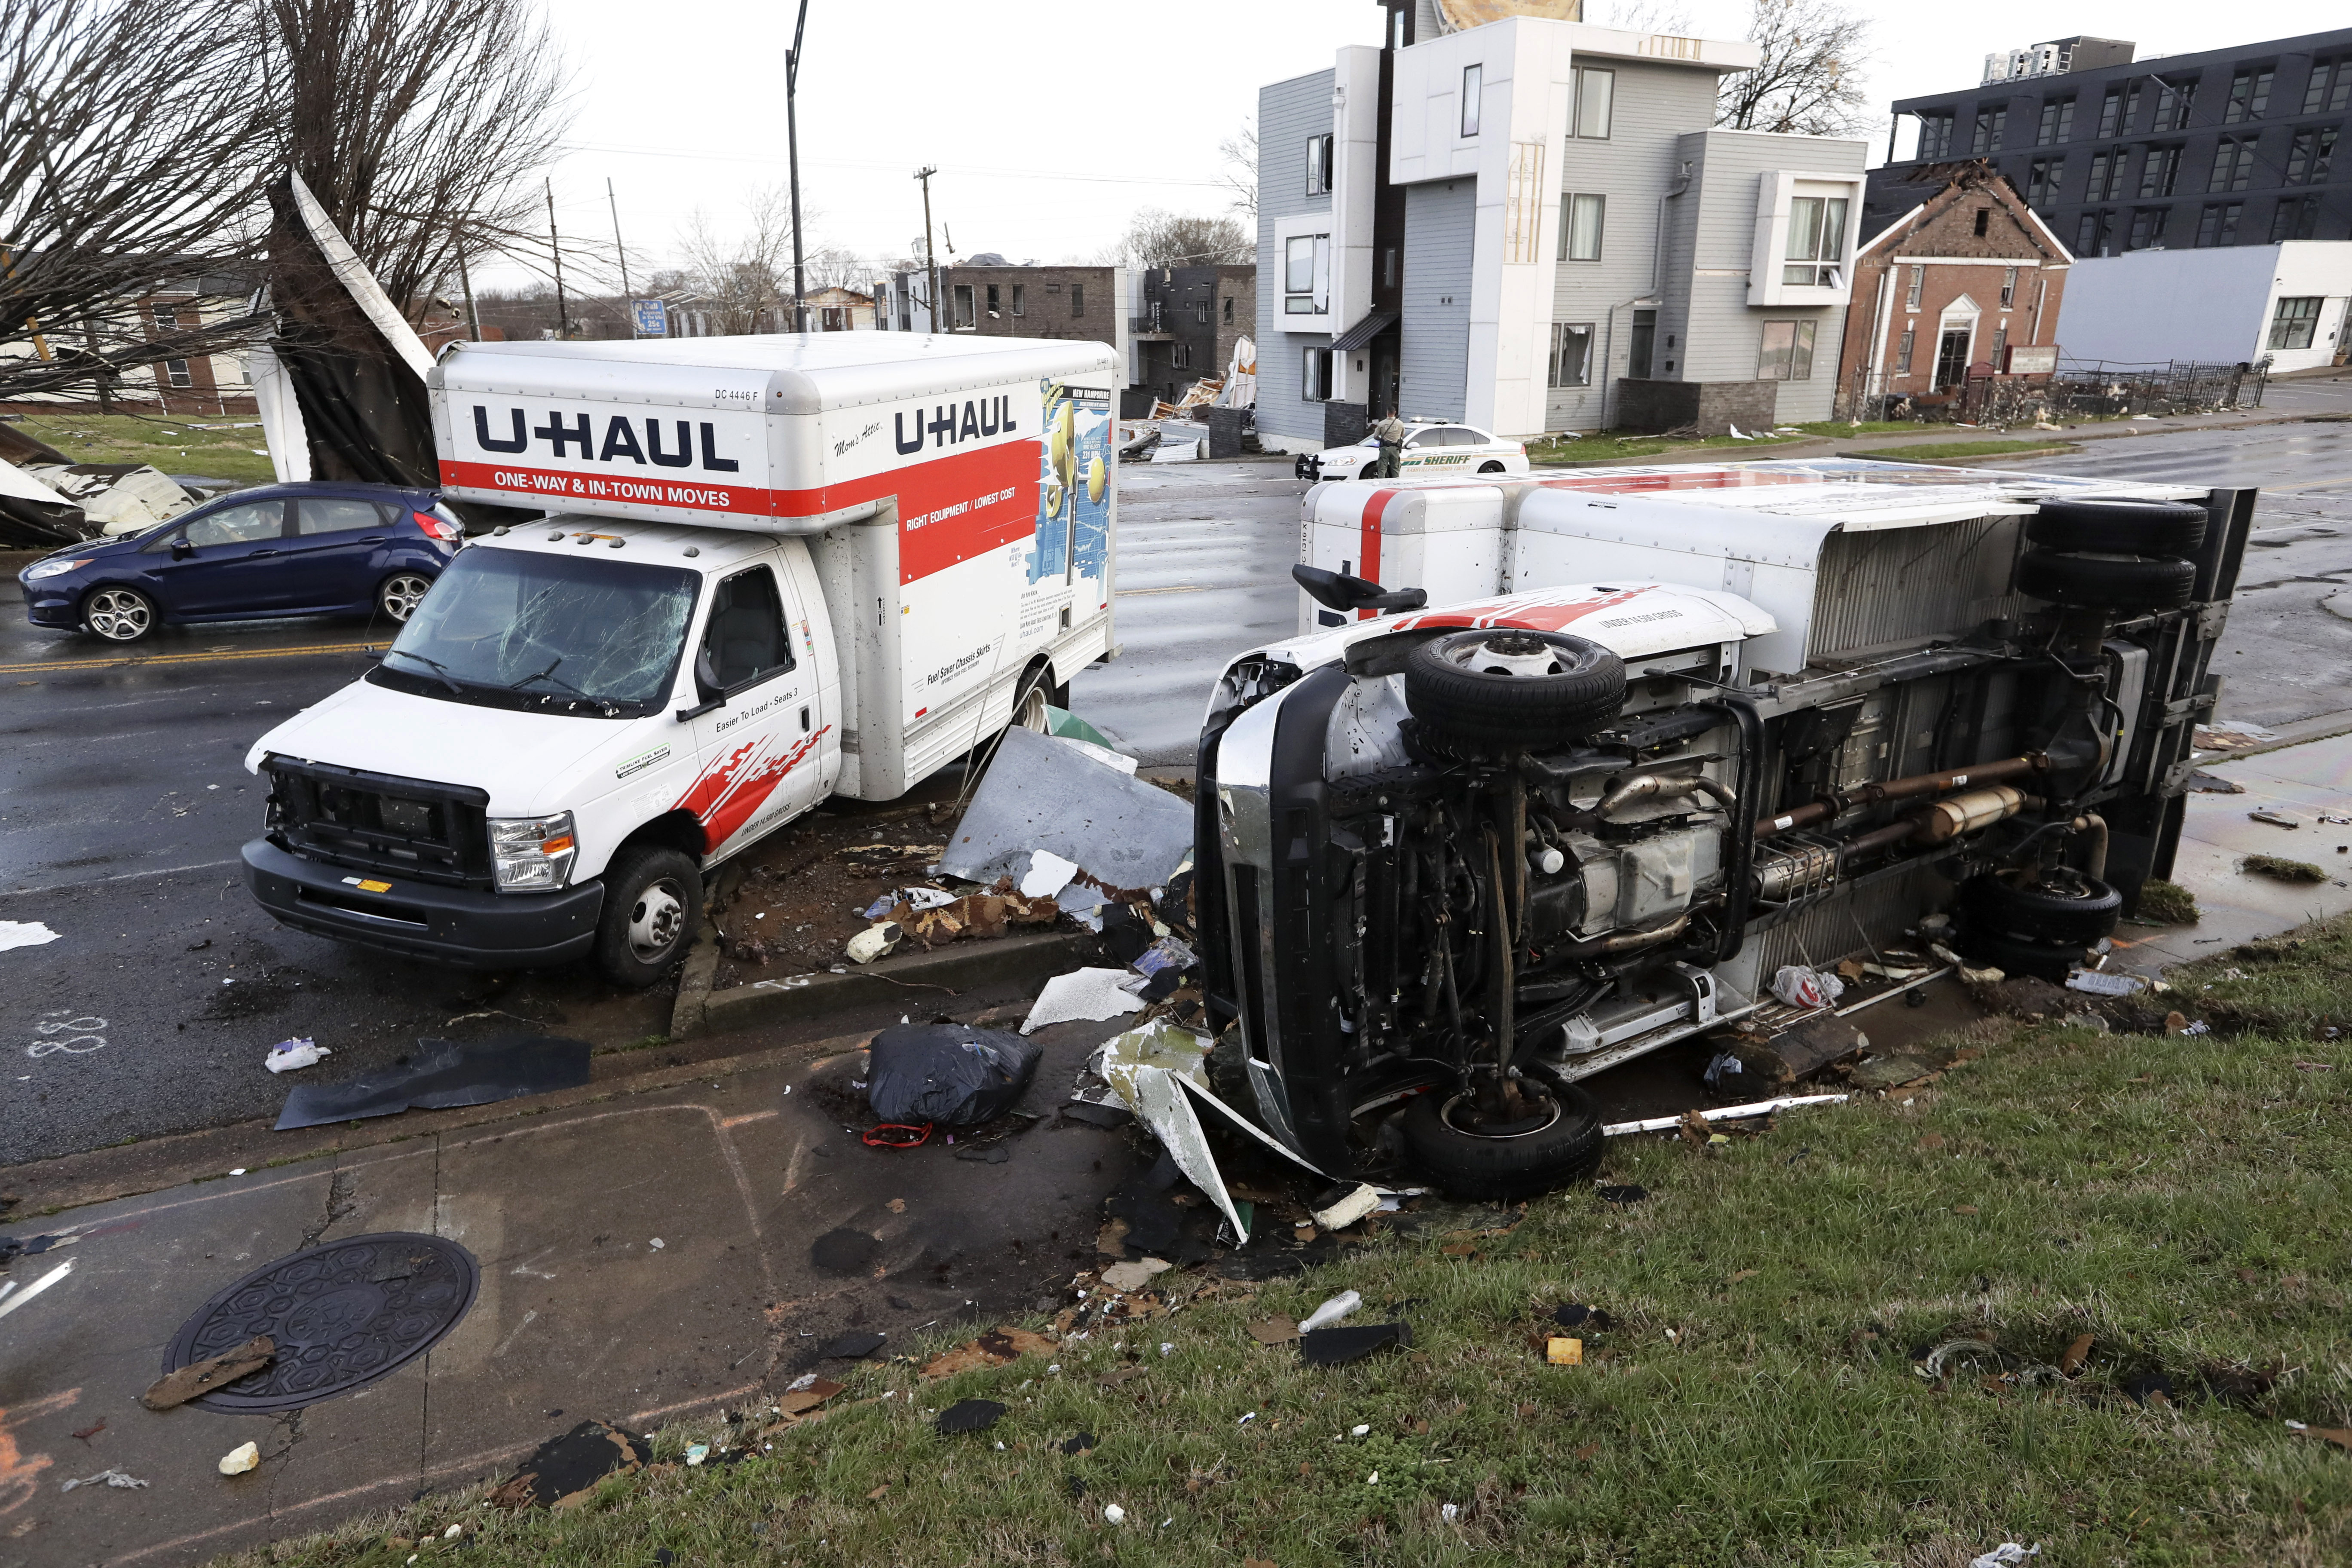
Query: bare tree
744, 281
1238, 170
1158, 238
131, 155
421, 127
1809, 81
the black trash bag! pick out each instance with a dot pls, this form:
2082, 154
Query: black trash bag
949, 1074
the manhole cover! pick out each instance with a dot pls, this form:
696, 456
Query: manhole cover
343, 1315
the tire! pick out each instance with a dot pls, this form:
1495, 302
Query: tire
2118, 527
653, 906
2105, 582
1470, 1167
399, 594
2079, 914
1516, 687
119, 614
2015, 955
1371, 471
1029, 702
1490, 467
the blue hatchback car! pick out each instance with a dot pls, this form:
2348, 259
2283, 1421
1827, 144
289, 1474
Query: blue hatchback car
309, 549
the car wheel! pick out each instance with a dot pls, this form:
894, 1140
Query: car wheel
1490, 467
1371, 471
1509, 687
400, 596
1561, 1144
119, 615
2069, 907
2105, 582
2014, 955
653, 905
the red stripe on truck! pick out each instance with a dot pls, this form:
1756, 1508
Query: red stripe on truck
1368, 542
951, 509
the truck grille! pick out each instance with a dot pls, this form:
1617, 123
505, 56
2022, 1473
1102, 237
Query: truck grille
373, 822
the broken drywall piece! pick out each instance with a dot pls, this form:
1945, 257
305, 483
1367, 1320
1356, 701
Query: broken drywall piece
1089, 995
24, 933
1047, 875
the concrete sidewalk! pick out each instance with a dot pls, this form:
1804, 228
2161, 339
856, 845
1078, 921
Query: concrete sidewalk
644, 1254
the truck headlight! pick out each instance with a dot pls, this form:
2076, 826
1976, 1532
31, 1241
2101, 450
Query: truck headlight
533, 854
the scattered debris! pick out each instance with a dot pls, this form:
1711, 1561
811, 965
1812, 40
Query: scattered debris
2167, 903
1089, 995
844, 1251
2204, 783
286, 1056
805, 1392
995, 1348
241, 1459
1721, 1113
1338, 1347
1134, 1276
1274, 1330
875, 942
950, 1074
24, 933
2339, 1435
215, 1372
1626, 1195
1114, 1514
2276, 818
562, 1471
856, 1346
1041, 795
442, 1074
1352, 1204
1561, 1351
11, 1301
697, 1452
1573, 1315
1048, 874
2006, 1554
1330, 1312
2076, 1355
2094, 983
105, 1478
2279, 868
969, 1415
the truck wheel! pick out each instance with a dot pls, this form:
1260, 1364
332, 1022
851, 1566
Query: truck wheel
2105, 582
119, 615
1475, 1166
2074, 909
653, 904
1029, 702
1516, 688
2014, 955
2118, 527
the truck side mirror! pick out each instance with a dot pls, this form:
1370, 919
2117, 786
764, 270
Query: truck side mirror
1337, 591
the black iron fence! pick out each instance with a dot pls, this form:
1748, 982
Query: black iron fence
2079, 389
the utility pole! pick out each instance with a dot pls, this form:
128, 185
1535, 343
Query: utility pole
555, 249
629, 306
466, 282
930, 255
793, 148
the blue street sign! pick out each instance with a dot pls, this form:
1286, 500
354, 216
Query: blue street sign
652, 317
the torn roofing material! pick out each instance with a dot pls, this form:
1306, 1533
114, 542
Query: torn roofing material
1039, 793
442, 1074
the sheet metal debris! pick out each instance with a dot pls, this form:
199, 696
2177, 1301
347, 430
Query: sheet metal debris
1040, 795
1082, 995
1721, 1113
441, 1075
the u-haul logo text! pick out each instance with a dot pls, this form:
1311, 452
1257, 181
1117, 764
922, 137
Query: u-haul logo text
575, 436
951, 425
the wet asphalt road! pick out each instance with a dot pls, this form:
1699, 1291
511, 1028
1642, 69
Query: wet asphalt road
123, 798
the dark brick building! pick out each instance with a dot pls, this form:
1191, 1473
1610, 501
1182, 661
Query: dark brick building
2236, 146
1187, 322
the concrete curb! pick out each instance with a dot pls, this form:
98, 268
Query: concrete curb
911, 975
2319, 727
688, 1014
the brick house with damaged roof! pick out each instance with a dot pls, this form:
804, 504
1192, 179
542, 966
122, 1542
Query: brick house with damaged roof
1963, 285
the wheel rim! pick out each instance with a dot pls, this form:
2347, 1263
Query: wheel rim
1447, 1115
119, 615
402, 595
658, 921
1031, 714
1519, 654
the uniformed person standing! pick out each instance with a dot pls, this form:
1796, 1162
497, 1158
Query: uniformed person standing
1389, 433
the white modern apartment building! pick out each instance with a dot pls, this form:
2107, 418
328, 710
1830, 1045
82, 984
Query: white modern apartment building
1529, 224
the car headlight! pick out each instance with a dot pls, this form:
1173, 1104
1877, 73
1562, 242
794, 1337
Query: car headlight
533, 854
40, 569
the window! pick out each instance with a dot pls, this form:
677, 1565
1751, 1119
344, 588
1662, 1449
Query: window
1021, 299
1077, 300
1315, 375
1319, 165
1903, 351
2106, 174
1935, 137
1572, 354
993, 306
2044, 181
2308, 155
1641, 344
1786, 353
335, 514
237, 525
2233, 165
1992, 126
2175, 101
1596, 96
176, 371
1470, 74
1816, 242
2218, 224
2146, 227
1180, 354
2091, 233
2249, 94
2158, 174
2009, 287
2296, 323
1999, 342
1581, 220
2297, 217
1307, 275
1984, 214
963, 317
1229, 310
746, 640
2330, 88
2056, 125
2112, 116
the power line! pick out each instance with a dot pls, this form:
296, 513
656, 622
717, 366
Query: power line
959, 170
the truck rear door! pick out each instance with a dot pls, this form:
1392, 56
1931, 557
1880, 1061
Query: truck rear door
758, 746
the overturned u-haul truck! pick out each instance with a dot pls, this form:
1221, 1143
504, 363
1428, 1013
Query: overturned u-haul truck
1561, 770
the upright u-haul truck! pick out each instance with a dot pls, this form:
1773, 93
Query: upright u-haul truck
773, 569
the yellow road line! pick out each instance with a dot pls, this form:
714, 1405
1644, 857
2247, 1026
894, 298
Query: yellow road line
189, 657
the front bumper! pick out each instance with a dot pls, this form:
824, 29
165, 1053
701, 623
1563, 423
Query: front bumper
49, 606
465, 926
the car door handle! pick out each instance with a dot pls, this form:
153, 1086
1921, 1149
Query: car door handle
259, 553
373, 539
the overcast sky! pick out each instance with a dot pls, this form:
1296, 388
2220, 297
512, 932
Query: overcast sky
1050, 126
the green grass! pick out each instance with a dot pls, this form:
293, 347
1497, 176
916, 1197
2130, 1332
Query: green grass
173, 446
2186, 1201
1951, 451
1837, 428
1592, 449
